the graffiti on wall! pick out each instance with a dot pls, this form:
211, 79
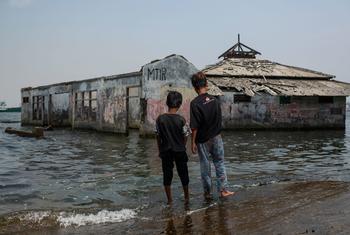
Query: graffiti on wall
155, 107
156, 74
113, 107
114, 110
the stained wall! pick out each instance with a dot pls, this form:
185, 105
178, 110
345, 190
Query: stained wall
47, 105
99, 104
158, 78
135, 100
266, 112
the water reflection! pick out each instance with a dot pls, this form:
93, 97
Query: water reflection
184, 227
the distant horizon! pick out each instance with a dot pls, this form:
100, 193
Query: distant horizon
47, 42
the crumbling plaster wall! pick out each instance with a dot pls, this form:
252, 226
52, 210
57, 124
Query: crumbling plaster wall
158, 78
26, 110
111, 103
59, 109
265, 112
134, 107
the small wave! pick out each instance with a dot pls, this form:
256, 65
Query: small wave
66, 219
200, 209
9, 121
47, 219
257, 184
10, 186
104, 216
35, 217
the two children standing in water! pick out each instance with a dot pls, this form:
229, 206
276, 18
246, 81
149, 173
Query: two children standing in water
205, 123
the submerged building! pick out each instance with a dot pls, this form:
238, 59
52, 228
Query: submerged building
254, 93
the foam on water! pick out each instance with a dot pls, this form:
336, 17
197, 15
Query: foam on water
257, 184
104, 216
66, 219
35, 217
200, 209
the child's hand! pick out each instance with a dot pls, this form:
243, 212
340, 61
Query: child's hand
194, 148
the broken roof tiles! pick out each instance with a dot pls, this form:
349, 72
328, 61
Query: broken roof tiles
242, 67
283, 87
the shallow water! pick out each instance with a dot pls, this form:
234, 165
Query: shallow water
83, 177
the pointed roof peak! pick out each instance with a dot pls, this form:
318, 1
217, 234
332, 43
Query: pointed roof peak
239, 50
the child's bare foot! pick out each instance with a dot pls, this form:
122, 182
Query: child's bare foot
226, 193
167, 189
207, 196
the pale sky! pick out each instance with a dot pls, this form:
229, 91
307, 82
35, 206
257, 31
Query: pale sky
44, 42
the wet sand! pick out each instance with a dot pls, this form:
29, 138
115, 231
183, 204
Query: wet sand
284, 208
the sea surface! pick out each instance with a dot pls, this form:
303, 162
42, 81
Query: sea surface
81, 181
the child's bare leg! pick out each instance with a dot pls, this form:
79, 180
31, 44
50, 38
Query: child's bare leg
186, 194
167, 166
182, 170
167, 189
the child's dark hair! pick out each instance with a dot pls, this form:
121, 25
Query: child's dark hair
174, 99
199, 80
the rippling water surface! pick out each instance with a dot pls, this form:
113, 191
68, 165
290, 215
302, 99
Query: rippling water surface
69, 171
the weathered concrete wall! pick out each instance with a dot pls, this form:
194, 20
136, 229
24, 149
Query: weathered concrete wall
59, 109
26, 110
113, 104
99, 104
158, 78
58, 105
82, 117
134, 107
111, 98
265, 112
53, 106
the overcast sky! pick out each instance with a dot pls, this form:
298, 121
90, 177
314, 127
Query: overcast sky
43, 42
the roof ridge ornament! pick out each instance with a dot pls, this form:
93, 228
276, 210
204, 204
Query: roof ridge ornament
239, 50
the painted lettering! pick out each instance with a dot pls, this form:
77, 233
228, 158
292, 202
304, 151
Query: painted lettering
156, 74
163, 74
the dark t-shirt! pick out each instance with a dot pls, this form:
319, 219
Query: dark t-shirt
205, 117
171, 129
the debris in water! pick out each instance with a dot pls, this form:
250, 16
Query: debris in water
37, 132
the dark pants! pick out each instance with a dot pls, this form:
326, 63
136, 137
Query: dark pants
180, 159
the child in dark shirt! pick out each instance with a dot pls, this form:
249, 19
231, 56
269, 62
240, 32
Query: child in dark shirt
172, 132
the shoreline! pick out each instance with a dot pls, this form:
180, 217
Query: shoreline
319, 207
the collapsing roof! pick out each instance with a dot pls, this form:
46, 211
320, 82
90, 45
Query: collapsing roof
242, 67
252, 76
283, 87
